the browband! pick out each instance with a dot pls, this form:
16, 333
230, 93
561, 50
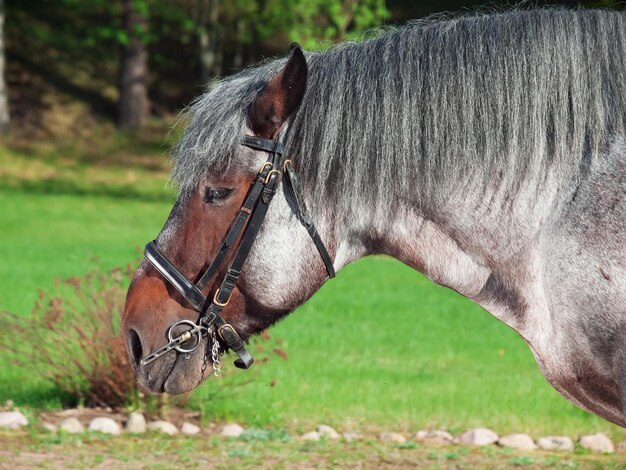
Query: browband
265, 145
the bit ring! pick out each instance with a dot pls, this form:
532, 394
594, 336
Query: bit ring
194, 332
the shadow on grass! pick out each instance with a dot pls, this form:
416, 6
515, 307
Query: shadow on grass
71, 188
41, 395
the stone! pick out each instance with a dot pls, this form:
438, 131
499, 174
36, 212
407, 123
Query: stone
478, 437
71, 425
189, 428
232, 430
326, 431
434, 437
311, 436
351, 436
598, 443
104, 425
392, 437
518, 441
556, 443
53, 428
136, 423
163, 426
12, 420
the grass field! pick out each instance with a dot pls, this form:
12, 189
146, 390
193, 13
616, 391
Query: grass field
262, 449
379, 347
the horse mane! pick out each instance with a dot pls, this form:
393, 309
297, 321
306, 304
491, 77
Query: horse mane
434, 105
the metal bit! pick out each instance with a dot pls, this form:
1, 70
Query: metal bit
176, 343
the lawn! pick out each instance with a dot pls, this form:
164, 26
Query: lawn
274, 449
379, 347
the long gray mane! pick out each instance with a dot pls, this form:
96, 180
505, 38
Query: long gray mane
434, 105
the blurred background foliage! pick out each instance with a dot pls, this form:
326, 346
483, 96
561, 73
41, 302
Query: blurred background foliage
128, 60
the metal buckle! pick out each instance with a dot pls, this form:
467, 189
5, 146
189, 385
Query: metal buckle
226, 327
217, 302
262, 169
287, 163
269, 175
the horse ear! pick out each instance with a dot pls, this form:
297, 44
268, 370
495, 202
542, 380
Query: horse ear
280, 97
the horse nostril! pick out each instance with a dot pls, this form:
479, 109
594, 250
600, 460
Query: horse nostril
134, 346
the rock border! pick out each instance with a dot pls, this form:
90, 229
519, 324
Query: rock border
135, 423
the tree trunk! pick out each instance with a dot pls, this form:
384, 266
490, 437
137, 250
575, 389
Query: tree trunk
4, 101
133, 105
208, 39
239, 45
207, 56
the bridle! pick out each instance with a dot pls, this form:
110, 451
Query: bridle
250, 216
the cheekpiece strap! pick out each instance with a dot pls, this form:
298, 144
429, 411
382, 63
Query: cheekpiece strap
260, 143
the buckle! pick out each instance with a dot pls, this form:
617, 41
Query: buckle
269, 175
217, 302
262, 169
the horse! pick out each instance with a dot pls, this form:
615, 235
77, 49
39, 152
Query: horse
487, 151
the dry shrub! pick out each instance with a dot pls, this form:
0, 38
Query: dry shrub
72, 338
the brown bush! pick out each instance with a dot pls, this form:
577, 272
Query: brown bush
72, 338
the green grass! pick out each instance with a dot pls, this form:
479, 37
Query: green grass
380, 346
49, 235
92, 450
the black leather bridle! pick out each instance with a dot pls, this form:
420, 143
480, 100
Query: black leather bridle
250, 217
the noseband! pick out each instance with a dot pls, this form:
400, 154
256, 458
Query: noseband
250, 217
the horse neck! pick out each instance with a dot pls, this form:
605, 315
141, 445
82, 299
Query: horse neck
458, 241
417, 242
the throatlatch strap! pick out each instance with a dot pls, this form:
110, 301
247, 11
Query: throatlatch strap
275, 146
305, 218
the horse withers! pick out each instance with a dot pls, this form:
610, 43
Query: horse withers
488, 152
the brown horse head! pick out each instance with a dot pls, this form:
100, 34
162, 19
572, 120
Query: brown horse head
194, 232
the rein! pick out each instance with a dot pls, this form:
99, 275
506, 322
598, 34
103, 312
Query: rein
251, 216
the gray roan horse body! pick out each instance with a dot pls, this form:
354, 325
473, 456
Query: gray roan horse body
488, 152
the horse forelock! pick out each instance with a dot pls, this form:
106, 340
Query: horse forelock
421, 111
214, 125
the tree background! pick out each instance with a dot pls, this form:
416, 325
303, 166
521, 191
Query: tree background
129, 60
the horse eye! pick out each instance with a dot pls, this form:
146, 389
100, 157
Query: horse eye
213, 195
